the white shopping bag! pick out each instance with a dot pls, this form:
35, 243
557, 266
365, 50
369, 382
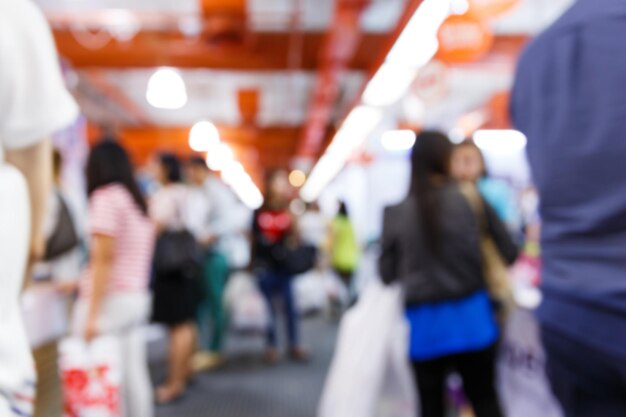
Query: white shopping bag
524, 388
314, 290
370, 374
247, 308
91, 375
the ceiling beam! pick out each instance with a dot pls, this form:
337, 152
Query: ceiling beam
261, 51
340, 46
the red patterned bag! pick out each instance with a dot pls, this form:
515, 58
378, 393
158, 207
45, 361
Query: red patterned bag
91, 377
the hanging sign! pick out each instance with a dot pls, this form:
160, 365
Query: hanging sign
463, 39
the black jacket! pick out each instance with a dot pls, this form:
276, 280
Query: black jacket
457, 271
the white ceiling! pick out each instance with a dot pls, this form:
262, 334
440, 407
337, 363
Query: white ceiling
212, 95
285, 95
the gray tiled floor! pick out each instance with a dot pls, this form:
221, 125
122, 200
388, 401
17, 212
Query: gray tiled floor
246, 387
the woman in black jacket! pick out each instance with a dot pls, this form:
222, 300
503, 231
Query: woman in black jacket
431, 245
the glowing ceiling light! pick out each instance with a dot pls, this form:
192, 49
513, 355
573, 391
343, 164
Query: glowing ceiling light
166, 89
459, 7
398, 140
354, 131
501, 142
203, 137
417, 43
297, 178
388, 85
219, 157
323, 173
359, 124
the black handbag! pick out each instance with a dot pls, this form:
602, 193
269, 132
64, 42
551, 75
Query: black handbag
64, 237
177, 256
299, 259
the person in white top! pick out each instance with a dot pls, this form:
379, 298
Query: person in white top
34, 103
213, 216
175, 292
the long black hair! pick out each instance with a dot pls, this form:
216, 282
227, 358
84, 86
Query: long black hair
343, 209
430, 169
108, 164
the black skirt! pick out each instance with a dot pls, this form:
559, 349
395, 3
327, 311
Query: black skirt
175, 300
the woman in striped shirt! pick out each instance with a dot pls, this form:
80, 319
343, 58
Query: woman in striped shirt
114, 297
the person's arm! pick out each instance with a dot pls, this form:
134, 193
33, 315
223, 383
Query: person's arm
35, 163
102, 253
388, 261
501, 236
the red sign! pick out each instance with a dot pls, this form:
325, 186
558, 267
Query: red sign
464, 39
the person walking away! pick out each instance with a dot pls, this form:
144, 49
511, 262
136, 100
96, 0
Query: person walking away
210, 219
57, 275
273, 227
34, 104
431, 246
114, 295
567, 100
176, 291
64, 255
468, 164
345, 248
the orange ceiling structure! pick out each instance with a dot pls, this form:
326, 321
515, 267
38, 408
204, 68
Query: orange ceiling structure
225, 41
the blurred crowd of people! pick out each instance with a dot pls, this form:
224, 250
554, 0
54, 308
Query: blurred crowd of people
160, 247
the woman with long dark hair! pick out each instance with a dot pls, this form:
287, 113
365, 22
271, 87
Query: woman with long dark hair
431, 245
176, 290
114, 297
273, 228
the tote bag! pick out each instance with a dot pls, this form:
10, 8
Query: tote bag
370, 374
91, 374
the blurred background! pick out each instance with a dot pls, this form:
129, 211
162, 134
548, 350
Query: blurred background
332, 92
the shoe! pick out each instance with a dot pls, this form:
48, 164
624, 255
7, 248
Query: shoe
299, 354
166, 394
271, 356
206, 361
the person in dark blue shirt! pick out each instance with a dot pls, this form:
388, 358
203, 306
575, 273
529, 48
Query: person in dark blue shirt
569, 99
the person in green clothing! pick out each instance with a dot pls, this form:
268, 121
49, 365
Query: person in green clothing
209, 208
345, 248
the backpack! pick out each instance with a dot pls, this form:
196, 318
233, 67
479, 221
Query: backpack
64, 237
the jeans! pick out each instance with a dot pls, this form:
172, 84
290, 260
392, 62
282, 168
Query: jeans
275, 284
211, 311
586, 381
477, 369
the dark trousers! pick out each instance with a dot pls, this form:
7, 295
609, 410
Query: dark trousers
275, 285
212, 311
478, 371
586, 381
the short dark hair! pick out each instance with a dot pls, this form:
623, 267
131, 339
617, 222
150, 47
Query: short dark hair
109, 164
171, 165
198, 162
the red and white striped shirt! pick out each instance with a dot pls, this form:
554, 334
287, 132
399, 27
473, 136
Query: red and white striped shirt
114, 213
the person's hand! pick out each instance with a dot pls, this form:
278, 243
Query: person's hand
208, 241
37, 248
91, 330
66, 288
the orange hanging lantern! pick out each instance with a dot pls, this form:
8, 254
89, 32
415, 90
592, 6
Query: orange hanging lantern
488, 9
464, 39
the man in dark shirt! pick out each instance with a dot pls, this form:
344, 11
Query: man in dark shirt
570, 100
